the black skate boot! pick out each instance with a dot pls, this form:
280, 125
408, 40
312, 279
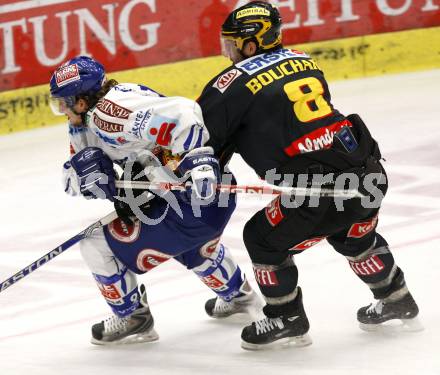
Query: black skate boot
138, 327
284, 325
247, 302
403, 309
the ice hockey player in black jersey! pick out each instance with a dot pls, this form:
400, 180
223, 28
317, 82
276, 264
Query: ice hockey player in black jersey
273, 107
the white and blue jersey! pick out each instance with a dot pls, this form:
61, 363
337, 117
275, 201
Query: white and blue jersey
129, 120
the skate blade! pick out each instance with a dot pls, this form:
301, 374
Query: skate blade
286, 342
394, 326
149, 336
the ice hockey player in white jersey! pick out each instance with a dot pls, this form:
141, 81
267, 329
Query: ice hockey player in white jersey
134, 127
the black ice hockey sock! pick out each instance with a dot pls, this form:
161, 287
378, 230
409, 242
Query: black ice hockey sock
277, 282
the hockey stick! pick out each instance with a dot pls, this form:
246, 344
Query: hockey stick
57, 251
248, 189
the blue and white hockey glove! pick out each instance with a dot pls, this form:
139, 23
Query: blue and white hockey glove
95, 172
202, 166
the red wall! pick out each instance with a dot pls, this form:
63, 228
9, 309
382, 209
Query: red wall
124, 34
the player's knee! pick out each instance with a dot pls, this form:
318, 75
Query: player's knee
88, 251
355, 246
220, 272
199, 256
95, 250
260, 251
251, 236
218, 258
248, 232
357, 239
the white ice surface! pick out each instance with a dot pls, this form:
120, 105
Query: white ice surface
45, 319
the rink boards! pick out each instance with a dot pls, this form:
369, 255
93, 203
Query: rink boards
354, 57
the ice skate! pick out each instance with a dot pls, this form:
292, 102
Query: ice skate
136, 328
390, 315
287, 330
247, 303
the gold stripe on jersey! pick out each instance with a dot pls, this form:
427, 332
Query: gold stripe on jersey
279, 71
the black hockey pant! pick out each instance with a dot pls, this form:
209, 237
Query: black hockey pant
276, 233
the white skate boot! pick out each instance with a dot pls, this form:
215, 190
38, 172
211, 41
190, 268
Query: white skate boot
136, 328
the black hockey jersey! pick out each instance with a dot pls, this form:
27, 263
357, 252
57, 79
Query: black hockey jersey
270, 108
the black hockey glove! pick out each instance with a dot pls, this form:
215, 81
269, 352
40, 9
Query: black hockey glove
124, 209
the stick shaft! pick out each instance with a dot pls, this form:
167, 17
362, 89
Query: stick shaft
246, 189
55, 252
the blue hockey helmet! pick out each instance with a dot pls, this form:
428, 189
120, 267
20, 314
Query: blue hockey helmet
81, 75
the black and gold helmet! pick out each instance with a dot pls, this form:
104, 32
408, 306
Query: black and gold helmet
258, 21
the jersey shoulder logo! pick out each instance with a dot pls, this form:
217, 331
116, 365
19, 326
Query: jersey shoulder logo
160, 130
259, 62
225, 80
112, 109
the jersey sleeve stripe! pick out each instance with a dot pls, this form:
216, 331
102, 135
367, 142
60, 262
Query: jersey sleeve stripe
199, 139
187, 143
